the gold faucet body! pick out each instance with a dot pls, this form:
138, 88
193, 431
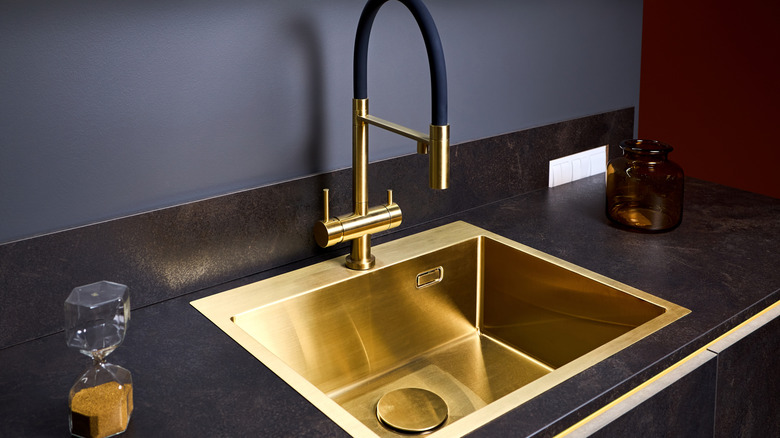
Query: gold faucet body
364, 220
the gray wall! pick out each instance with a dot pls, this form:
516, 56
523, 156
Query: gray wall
114, 108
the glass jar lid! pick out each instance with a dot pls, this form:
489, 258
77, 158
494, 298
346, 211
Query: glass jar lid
646, 147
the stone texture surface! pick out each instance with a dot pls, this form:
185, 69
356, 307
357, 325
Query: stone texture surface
192, 380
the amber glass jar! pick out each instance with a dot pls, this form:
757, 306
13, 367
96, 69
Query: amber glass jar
644, 188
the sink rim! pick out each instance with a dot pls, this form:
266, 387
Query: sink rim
223, 308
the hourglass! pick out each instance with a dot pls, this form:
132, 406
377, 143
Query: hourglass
101, 400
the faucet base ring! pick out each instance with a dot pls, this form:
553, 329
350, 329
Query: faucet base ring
361, 265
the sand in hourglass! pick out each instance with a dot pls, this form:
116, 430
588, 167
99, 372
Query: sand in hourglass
102, 410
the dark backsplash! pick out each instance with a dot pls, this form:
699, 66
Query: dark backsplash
178, 250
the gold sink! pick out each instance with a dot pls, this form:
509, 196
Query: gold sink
481, 321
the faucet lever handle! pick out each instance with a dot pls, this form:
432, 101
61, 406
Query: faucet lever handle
325, 205
389, 196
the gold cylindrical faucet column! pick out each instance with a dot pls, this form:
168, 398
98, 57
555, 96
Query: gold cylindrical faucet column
439, 157
360, 257
360, 156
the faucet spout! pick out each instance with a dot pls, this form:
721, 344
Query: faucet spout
364, 221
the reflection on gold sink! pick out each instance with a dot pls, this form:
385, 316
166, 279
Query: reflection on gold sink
469, 315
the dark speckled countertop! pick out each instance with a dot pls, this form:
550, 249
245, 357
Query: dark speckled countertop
192, 380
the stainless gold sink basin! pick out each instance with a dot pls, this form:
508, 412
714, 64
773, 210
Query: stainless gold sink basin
481, 321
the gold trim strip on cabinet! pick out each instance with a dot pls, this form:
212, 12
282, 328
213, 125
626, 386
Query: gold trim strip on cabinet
657, 377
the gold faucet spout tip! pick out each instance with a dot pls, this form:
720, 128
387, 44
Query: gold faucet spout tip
439, 157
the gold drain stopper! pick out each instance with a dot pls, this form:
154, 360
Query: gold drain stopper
411, 410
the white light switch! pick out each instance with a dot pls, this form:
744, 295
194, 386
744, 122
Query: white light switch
578, 166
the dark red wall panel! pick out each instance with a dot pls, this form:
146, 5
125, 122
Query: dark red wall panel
710, 86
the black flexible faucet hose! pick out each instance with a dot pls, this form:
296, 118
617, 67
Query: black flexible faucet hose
432, 45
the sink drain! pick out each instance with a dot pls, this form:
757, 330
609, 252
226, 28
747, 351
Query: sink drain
411, 410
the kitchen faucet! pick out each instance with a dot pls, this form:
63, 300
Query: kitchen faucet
364, 221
